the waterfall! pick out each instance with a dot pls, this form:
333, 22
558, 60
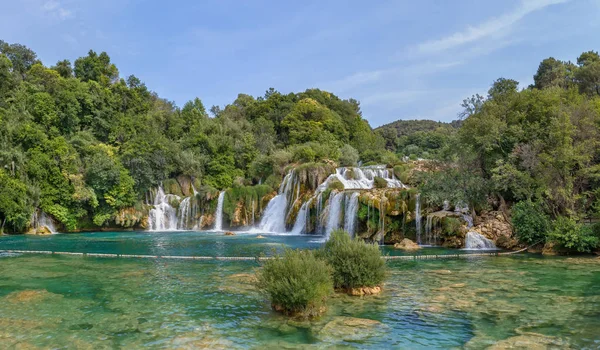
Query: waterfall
163, 217
219, 213
273, 219
429, 231
362, 178
475, 240
183, 214
463, 209
301, 219
418, 217
334, 213
42, 219
350, 210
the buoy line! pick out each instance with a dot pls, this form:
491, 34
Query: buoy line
249, 258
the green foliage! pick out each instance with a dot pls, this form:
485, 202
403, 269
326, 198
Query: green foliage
335, 185
380, 182
348, 156
298, 283
356, 263
574, 236
530, 223
15, 203
451, 226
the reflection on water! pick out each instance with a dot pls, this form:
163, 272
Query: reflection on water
76, 302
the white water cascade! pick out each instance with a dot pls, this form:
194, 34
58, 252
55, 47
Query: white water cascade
475, 240
42, 219
301, 219
219, 212
163, 217
418, 218
273, 219
362, 178
350, 210
183, 214
335, 212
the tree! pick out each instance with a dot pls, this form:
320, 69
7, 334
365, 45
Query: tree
96, 67
64, 68
588, 74
553, 73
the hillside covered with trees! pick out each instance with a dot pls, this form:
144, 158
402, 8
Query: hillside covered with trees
81, 143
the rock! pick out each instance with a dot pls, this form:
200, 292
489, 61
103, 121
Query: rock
441, 272
407, 244
532, 341
365, 291
261, 237
350, 329
229, 233
43, 230
29, 296
550, 249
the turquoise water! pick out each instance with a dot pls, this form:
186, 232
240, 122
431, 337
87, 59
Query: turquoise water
95, 303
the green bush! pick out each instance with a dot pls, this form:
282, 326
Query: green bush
335, 185
570, 234
530, 222
355, 263
380, 182
348, 156
297, 283
451, 226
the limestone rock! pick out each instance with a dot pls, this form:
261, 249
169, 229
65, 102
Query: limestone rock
407, 244
260, 237
229, 233
350, 329
365, 291
529, 341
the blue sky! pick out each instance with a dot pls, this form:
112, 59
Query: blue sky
401, 59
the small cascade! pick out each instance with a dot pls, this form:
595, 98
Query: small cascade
475, 240
273, 219
418, 218
41, 219
301, 219
219, 212
319, 223
362, 178
350, 210
430, 234
163, 217
183, 214
335, 212
463, 210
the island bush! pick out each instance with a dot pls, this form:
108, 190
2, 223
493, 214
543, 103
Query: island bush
356, 264
297, 283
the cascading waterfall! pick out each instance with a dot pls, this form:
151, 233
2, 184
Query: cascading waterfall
362, 178
301, 219
475, 240
183, 214
41, 219
219, 212
335, 211
163, 217
350, 210
418, 217
273, 219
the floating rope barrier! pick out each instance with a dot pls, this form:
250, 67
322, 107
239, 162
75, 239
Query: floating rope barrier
251, 258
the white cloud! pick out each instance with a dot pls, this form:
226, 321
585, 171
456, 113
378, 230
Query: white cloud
57, 10
493, 27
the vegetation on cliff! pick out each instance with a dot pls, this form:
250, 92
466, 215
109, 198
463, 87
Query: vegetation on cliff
82, 143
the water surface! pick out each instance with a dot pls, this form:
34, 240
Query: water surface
95, 303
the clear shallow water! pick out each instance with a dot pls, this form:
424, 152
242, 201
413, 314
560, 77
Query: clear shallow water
66, 302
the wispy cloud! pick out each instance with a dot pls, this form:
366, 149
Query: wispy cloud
56, 9
497, 26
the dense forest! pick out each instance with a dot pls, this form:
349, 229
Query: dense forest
81, 143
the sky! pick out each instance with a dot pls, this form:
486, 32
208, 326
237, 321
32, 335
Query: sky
400, 59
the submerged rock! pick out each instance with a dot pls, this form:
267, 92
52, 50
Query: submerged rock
407, 244
364, 291
229, 233
528, 341
350, 329
29, 296
260, 237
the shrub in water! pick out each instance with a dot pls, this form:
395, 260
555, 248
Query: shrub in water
380, 182
297, 283
356, 264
